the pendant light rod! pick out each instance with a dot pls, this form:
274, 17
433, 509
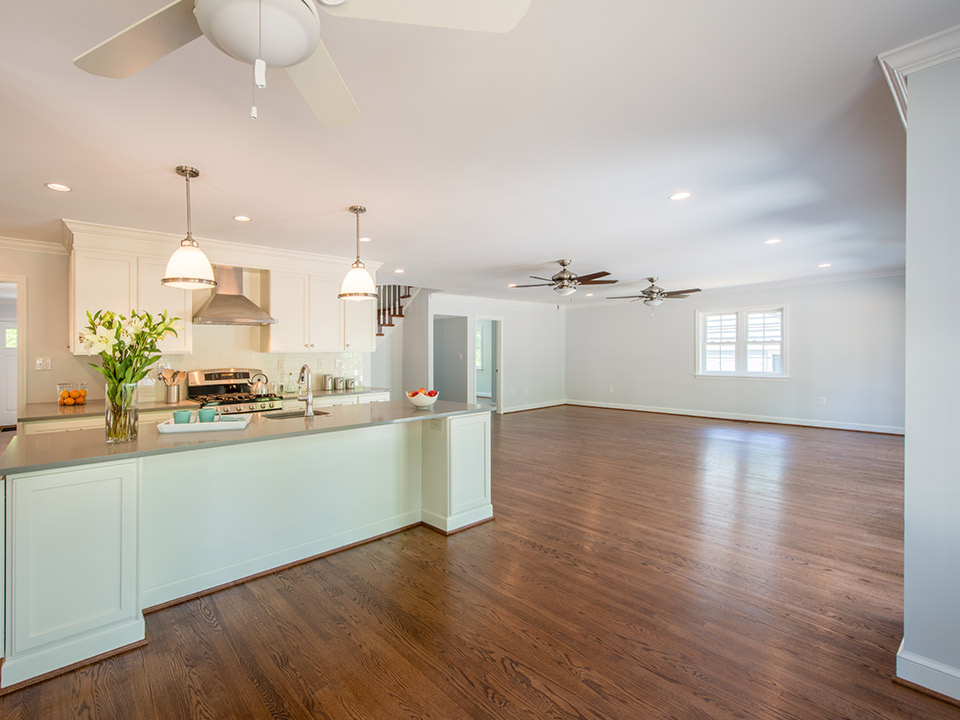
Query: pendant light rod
187, 172
357, 210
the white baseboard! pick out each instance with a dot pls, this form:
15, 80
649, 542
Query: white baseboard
532, 406
931, 674
809, 422
455, 522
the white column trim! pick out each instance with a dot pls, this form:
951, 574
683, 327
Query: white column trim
928, 52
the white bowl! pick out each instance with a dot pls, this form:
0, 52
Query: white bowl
422, 401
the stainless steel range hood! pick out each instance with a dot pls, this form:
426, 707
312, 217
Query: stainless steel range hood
228, 305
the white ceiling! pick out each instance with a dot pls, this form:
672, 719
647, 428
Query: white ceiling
482, 158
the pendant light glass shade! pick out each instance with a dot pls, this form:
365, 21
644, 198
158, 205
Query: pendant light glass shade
188, 268
358, 283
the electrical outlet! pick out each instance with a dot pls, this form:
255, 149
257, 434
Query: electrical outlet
822, 400
43, 363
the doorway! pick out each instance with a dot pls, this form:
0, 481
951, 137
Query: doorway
487, 363
9, 347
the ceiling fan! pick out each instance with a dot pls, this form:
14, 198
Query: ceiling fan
566, 282
285, 33
654, 295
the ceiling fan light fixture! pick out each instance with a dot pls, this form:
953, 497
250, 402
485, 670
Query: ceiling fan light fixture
188, 268
565, 290
653, 302
358, 283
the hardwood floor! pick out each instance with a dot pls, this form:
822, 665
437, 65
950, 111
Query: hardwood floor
640, 566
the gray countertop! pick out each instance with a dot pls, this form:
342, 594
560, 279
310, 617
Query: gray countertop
33, 412
44, 451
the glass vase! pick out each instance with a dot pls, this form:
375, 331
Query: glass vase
121, 412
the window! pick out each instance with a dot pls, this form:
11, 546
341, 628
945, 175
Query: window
478, 349
10, 341
742, 343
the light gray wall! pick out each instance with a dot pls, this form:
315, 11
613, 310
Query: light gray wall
417, 330
930, 654
845, 343
386, 364
485, 375
532, 357
452, 360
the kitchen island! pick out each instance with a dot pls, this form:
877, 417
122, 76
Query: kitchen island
97, 533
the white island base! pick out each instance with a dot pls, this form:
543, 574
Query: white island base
89, 547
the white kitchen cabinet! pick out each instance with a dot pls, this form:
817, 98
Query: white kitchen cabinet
121, 282
359, 323
71, 566
288, 301
332, 401
373, 397
311, 318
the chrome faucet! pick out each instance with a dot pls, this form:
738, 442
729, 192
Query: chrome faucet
307, 393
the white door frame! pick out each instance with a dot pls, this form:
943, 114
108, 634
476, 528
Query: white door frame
21, 282
497, 360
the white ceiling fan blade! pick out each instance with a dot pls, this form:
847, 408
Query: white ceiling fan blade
496, 16
319, 81
142, 43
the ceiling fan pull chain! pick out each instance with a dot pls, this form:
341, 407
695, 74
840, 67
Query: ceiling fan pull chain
259, 66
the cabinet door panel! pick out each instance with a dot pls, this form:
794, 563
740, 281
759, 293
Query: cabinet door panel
289, 296
359, 326
324, 314
101, 281
153, 298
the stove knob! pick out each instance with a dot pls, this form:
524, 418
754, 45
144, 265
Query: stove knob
271, 404
251, 407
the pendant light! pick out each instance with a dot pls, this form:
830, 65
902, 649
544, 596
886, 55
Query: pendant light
358, 284
188, 268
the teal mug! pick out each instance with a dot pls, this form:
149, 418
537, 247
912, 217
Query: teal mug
209, 414
181, 417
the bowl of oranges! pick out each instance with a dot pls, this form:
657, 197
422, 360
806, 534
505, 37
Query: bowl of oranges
69, 394
422, 398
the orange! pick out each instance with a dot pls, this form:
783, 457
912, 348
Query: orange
83, 392
74, 394
65, 393
68, 401
60, 401
80, 400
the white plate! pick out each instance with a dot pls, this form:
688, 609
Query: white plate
234, 422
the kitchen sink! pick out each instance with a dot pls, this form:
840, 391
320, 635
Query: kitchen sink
290, 414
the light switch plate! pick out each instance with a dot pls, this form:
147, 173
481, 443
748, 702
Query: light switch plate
42, 363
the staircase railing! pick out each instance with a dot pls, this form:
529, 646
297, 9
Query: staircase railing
390, 304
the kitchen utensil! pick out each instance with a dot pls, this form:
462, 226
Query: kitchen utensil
326, 382
338, 383
173, 394
349, 384
259, 384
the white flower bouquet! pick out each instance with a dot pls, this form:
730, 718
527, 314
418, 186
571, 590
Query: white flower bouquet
127, 346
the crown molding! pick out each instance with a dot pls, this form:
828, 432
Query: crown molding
42, 246
220, 252
928, 52
481, 299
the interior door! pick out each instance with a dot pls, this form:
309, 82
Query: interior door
8, 372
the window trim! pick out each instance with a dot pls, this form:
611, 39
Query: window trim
741, 344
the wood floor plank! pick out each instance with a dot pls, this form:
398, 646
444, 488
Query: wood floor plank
640, 566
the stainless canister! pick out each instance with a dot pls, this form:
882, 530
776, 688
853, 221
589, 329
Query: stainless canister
349, 384
173, 394
326, 382
338, 383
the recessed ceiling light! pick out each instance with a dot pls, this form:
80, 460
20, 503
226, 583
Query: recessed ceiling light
682, 195
364, 239
589, 294
399, 271
512, 285
59, 187
241, 218
824, 265
771, 241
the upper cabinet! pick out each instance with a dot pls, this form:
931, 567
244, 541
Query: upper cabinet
105, 275
310, 318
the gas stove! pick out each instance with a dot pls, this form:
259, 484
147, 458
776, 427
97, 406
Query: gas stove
229, 389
